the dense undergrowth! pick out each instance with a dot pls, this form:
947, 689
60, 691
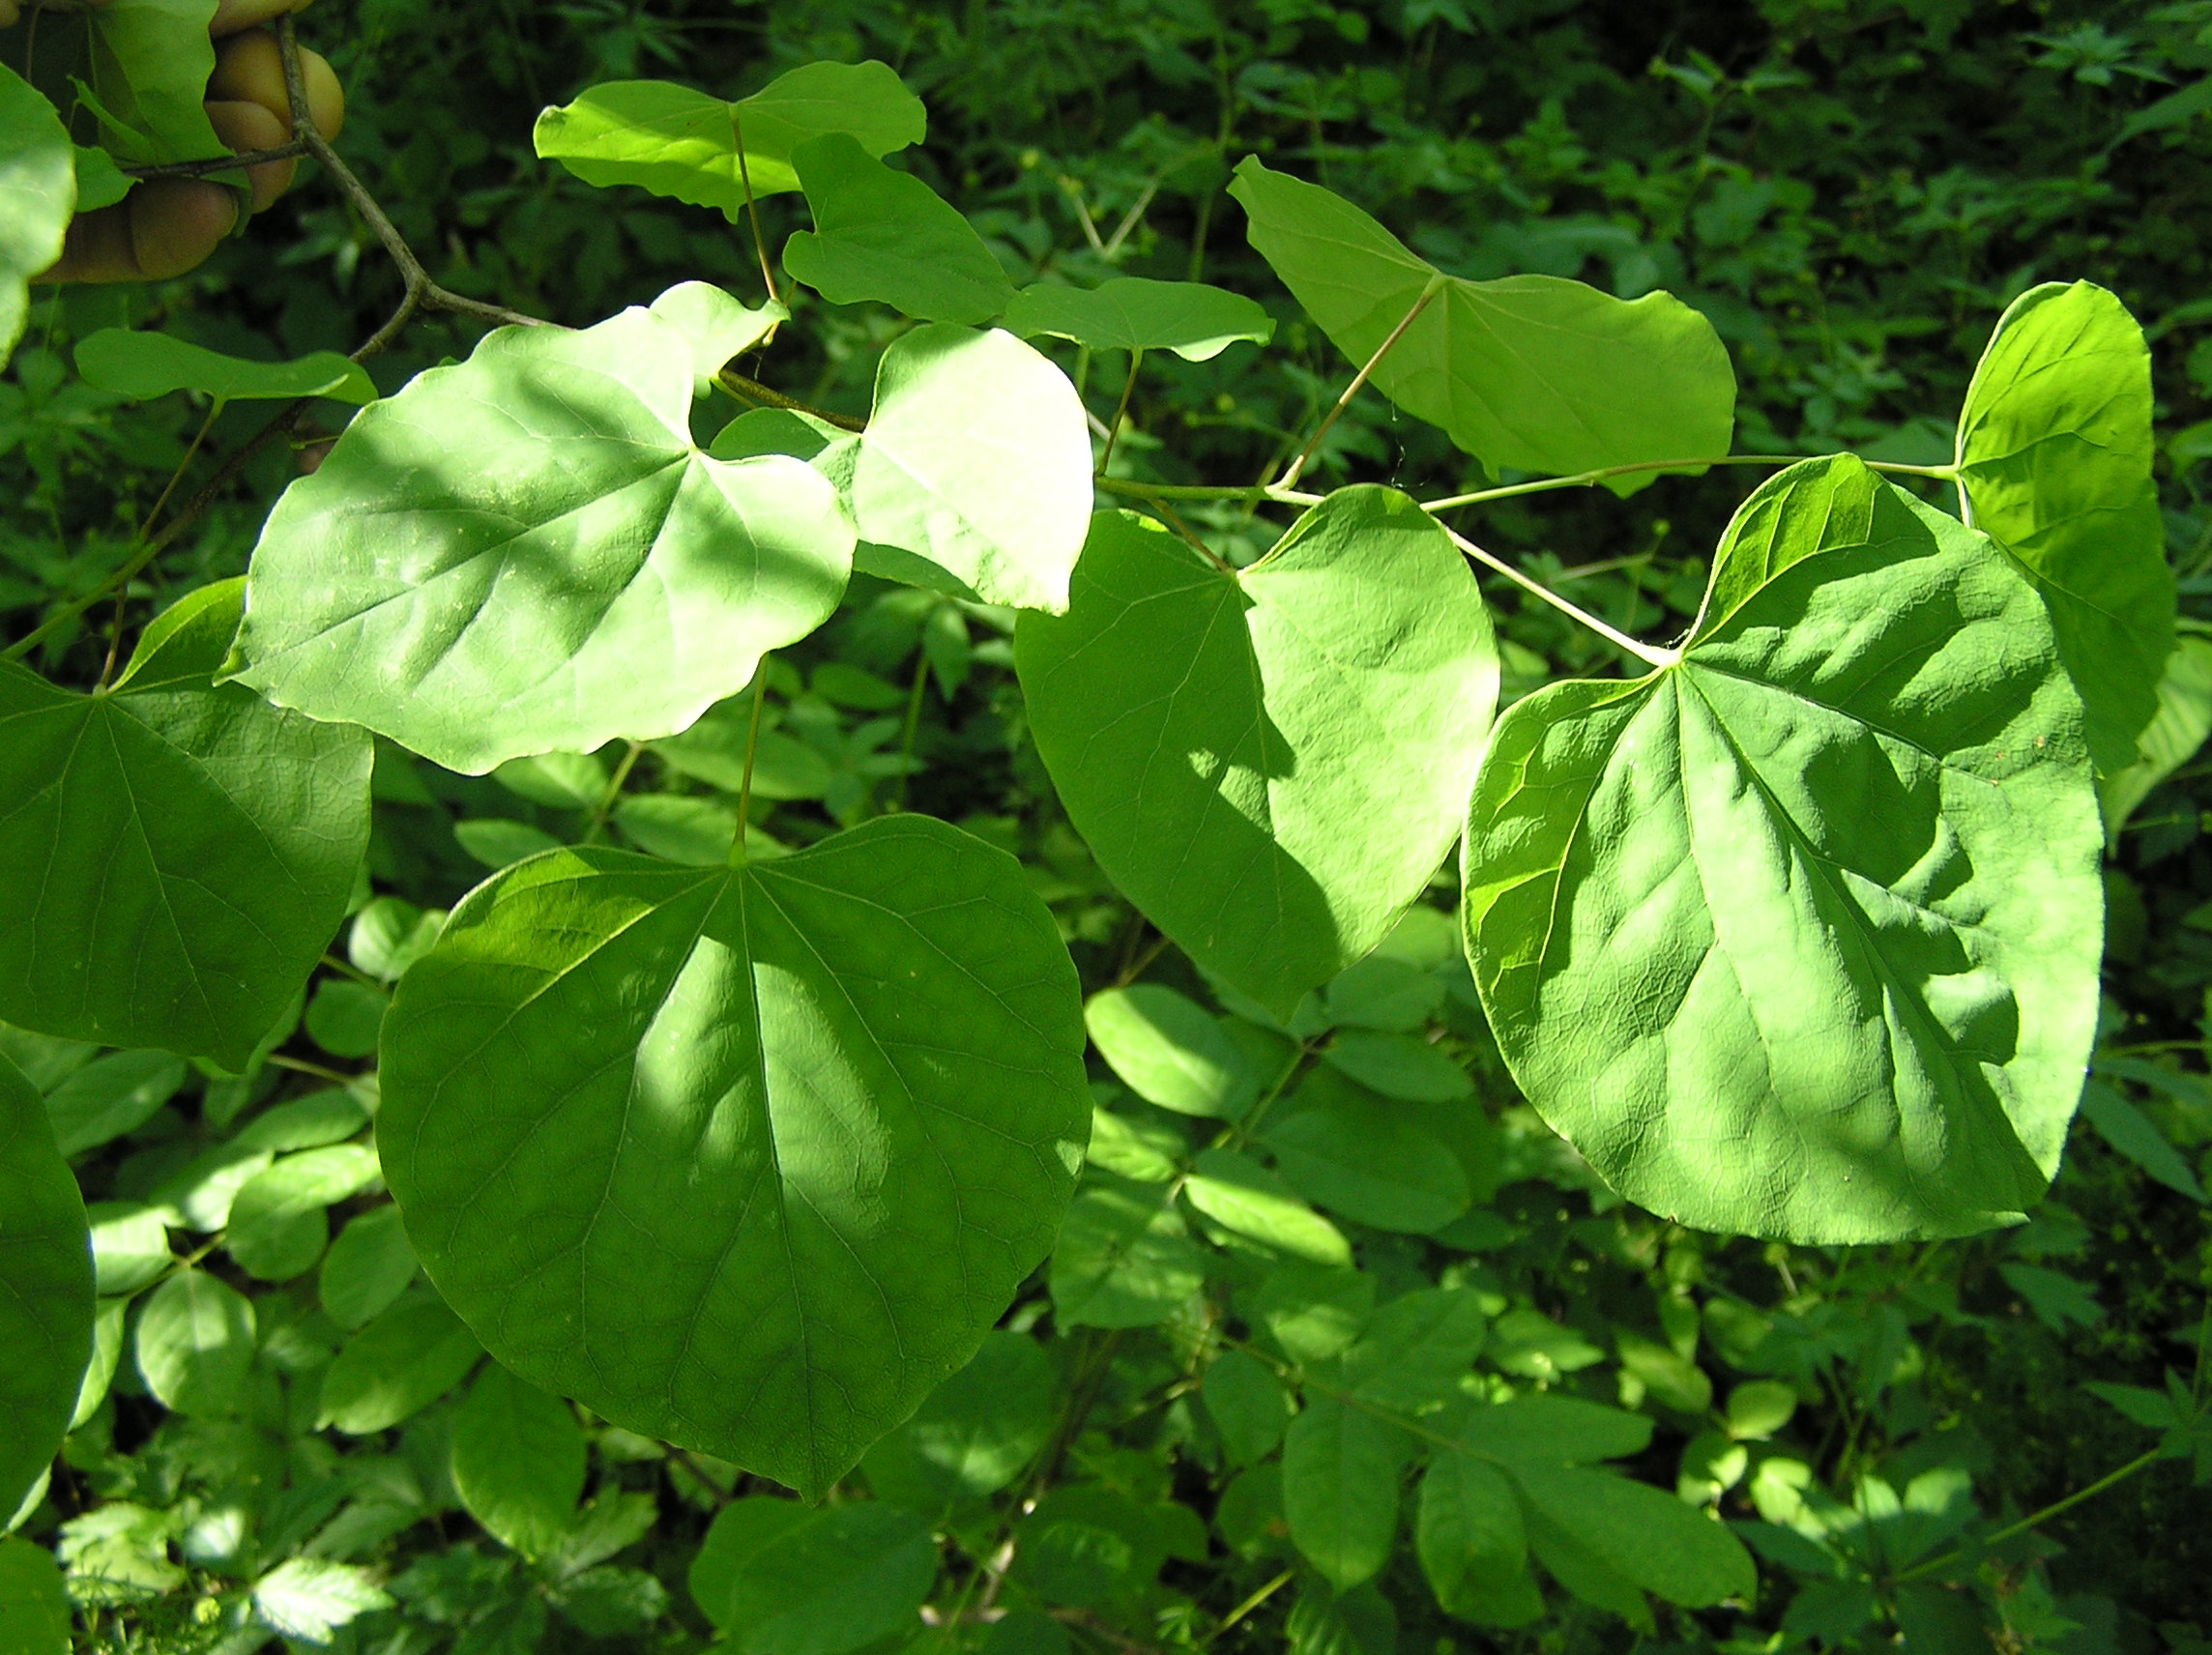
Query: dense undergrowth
1851, 191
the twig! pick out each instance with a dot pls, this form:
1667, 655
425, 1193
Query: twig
209, 168
1290, 477
744, 390
421, 292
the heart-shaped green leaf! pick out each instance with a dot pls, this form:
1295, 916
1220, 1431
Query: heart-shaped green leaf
143, 366
526, 553
37, 194
1269, 762
889, 237
180, 853
750, 1159
1798, 936
683, 144
1533, 371
2055, 452
1131, 314
46, 1310
976, 463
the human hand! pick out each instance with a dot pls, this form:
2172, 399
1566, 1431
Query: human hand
167, 225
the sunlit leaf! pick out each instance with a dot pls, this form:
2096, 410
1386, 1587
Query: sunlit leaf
681, 143
527, 553
1269, 762
2055, 452
37, 194
887, 236
180, 853
836, 1100
195, 1345
2177, 731
976, 464
1798, 936
1533, 371
1122, 1260
1133, 313
1169, 1050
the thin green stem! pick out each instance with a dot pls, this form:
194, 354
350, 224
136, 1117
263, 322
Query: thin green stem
1120, 411
734, 383
1435, 287
1258, 1597
2027, 1523
1647, 653
746, 781
1589, 479
598, 822
300, 1065
752, 209
1255, 492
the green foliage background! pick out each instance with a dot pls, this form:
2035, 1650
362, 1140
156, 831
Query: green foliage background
1851, 191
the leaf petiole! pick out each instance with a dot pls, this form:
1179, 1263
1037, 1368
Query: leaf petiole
1435, 287
1649, 654
1588, 479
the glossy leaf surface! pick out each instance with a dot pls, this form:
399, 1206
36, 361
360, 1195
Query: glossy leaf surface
681, 143
884, 235
1798, 937
180, 853
1533, 371
46, 1307
37, 194
526, 553
1134, 314
976, 462
750, 1159
1270, 763
2054, 455
142, 366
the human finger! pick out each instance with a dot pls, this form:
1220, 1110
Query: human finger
249, 69
244, 127
165, 227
